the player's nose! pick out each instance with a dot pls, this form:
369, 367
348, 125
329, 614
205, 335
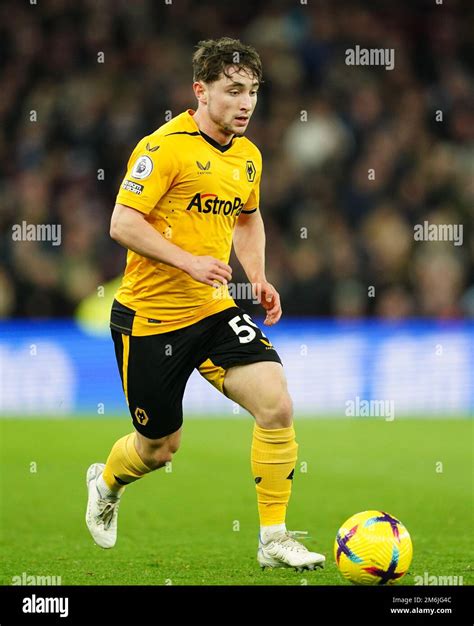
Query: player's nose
246, 104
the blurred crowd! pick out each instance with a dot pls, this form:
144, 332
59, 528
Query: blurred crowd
354, 156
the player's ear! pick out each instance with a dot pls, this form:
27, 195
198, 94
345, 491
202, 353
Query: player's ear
200, 91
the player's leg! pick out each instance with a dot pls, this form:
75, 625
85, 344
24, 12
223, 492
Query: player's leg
243, 364
131, 458
156, 453
153, 384
261, 388
135, 455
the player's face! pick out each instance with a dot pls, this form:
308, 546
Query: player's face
231, 101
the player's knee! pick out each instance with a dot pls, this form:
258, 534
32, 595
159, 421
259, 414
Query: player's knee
278, 413
158, 452
173, 447
159, 457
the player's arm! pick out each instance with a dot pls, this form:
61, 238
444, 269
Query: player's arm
130, 229
249, 246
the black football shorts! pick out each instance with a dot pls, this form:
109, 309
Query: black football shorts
155, 369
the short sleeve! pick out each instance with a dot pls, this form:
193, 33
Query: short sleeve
151, 171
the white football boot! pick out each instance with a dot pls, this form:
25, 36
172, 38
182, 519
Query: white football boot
101, 513
282, 550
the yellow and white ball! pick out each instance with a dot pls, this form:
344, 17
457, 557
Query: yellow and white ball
373, 548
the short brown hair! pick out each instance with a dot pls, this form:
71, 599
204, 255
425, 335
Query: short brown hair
214, 56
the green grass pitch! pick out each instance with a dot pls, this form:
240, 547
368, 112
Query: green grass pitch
198, 525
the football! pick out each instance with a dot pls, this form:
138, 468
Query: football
373, 548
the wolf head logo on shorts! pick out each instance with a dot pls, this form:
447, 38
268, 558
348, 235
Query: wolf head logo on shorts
141, 416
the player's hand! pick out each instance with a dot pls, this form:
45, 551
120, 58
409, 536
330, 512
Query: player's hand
269, 298
208, 270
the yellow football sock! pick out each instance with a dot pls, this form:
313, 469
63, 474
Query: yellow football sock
274, 454
124, 465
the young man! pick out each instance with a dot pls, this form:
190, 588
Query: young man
191, 189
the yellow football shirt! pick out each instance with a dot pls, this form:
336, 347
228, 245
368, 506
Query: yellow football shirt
192, 191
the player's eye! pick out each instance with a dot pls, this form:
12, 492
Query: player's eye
234, 92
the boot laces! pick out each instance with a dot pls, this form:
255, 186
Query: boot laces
107, 510
288, 541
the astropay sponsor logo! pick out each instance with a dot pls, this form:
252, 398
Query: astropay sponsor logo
211, 203
39, 604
